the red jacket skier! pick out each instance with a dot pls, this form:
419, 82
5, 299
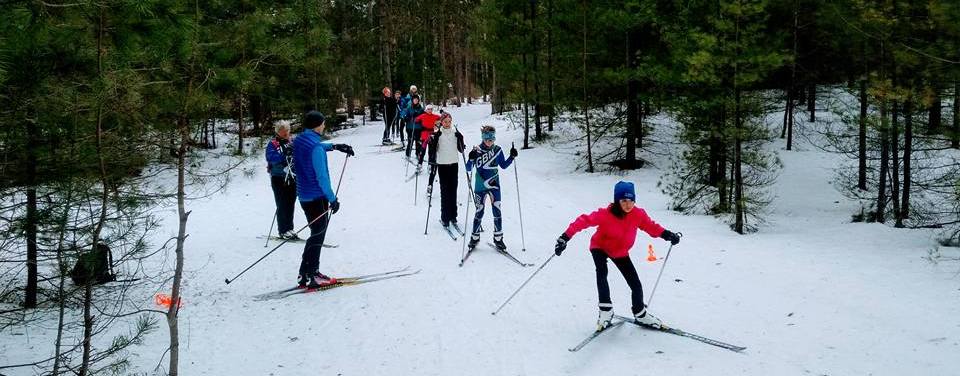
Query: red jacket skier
617, 226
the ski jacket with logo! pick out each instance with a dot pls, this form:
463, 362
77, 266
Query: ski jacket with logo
279, 156
488, 164
614, 236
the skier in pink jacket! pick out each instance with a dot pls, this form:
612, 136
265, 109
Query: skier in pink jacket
617, 226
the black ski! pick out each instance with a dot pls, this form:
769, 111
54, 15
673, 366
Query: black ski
341, 281
594, 335
457, 229
450, 232
508, 255
325, 245
682, 333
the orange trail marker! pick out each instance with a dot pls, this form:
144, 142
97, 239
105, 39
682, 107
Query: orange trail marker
165, 300
650, 255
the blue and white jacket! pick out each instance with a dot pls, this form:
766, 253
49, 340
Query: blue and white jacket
488, 164
310, 164
279, 155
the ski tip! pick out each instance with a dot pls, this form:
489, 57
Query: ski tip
226, 280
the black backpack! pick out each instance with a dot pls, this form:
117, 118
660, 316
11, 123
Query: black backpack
94, 267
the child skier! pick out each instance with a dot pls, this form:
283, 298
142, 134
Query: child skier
426, 122
316, 196
279, 156
617, 226
488, 158
445, 148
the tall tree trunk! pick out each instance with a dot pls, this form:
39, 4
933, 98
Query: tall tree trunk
884, 165
812, 102
786, 111
30, 300
907, 151
790, 120
30, 227
955, 140
738, 166
633, 92
936, 112
496, 104
895, 161
173, 310
719, 121
583, 78
385, 52
550, 79
240, 124
535, 51
862, 138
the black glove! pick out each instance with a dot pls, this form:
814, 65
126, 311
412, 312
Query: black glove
671, 237
334, 207
344, 148
513, 152
474, 154
561, 244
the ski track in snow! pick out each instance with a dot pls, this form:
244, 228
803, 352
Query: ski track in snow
810, 294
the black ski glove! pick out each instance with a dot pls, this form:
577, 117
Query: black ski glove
671, 237
513, 152
344, 148
561, 244
474, 154
334, 207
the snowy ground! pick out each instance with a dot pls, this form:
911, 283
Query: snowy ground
810, 294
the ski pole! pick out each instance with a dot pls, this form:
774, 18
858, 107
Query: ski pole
661, 271
429, 200
466, 210
229, 280
270, 231
516, 177
524, 284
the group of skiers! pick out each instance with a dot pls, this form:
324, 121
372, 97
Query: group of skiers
299, 170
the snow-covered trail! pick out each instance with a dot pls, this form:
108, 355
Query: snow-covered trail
810, 294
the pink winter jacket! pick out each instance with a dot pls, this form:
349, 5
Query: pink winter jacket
614, 236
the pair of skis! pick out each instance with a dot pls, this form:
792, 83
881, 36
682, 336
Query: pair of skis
453, 230
662, 328
499, 250
340, 282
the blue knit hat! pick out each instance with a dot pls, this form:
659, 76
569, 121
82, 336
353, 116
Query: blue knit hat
624, 190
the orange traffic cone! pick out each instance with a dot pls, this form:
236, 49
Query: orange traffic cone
650, 255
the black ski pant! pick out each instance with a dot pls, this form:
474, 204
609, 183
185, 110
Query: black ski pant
284, 195
400, 127
387, 125
318, 230
629, 273
448, 191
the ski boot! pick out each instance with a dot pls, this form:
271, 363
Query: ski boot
498, 242
646, 318
318, 280
289, 235
474, 239
604, 319
302, 280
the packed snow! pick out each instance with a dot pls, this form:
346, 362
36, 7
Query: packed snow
811, 293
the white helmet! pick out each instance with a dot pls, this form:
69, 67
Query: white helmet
413, 87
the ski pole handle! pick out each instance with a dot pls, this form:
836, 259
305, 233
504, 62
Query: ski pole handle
524, 284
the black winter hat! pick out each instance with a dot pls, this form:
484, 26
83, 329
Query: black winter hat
313, 119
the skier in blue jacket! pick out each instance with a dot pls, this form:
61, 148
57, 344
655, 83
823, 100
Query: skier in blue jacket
316, 196
488, 159
279, 155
